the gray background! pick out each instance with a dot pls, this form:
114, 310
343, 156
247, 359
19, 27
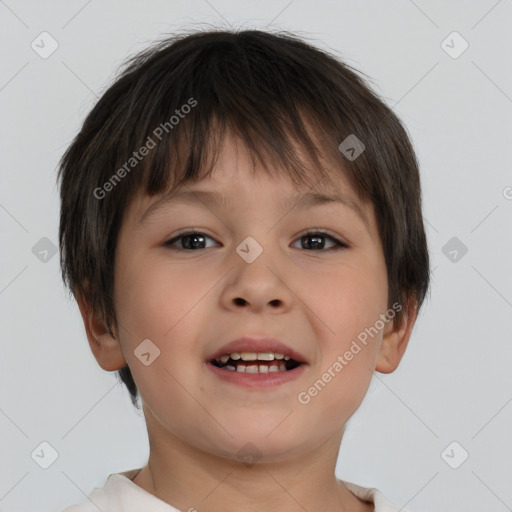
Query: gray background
454, 383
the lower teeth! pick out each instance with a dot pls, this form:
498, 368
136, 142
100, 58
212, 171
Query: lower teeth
255, 368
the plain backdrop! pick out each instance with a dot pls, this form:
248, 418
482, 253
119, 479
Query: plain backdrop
449, 400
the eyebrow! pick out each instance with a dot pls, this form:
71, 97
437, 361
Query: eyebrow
216, 200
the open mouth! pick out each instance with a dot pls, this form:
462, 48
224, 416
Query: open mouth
250, 362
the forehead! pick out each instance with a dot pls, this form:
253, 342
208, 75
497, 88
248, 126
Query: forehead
234, 173
235, 179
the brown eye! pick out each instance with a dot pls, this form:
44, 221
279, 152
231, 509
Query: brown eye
190, 241
315, 240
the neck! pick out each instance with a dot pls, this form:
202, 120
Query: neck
190, 479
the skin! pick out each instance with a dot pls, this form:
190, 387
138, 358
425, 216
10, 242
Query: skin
316, 301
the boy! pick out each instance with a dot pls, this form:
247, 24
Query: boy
241, 227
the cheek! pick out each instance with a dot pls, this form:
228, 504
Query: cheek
346, 300
153, 296
349, 303
156, 301
162, 302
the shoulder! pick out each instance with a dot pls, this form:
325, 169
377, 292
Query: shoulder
120, 494
374, 496
82, 507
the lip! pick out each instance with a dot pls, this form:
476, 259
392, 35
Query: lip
258, 380
248, 344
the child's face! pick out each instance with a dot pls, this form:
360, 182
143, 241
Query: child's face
189, 304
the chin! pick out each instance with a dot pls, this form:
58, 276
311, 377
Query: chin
252, 444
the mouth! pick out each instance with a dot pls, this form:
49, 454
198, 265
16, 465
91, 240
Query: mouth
255, 362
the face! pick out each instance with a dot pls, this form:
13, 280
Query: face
317, 284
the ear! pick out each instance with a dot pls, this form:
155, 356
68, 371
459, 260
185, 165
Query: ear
395, 340
105, 347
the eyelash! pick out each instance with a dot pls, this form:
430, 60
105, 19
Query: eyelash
339, 244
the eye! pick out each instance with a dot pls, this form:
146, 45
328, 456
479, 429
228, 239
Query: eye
192, 240
315, 241
189, 241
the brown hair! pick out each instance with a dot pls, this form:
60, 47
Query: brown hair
274, 91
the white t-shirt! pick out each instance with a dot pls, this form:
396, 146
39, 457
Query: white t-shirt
120, 494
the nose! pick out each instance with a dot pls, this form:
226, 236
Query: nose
258, 286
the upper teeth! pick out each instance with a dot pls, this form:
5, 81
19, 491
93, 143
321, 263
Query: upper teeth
253, 356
